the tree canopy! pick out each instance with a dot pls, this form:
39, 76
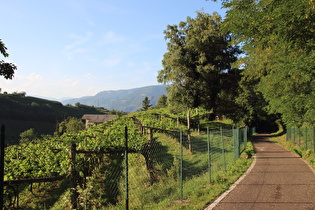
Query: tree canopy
198, 62
6, 69
278, 38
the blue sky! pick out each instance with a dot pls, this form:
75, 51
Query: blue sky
75, 48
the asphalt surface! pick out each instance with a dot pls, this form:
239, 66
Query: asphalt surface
278, 179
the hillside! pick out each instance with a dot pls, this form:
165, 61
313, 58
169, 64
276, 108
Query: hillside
123, 100
19, 113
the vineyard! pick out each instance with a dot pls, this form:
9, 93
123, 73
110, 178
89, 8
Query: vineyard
142, 160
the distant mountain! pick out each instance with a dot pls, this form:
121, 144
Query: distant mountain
122, 100
50, 98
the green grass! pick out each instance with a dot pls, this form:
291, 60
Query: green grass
198, 191
306, 154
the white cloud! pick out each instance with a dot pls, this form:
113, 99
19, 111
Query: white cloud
34, 76
111, 62
111, 37
76, 46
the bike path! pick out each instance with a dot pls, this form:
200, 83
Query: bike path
279, 179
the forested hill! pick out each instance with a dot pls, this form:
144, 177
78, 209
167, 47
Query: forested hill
19, 113
123, 100
21, 107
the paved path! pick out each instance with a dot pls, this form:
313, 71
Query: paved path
279, 179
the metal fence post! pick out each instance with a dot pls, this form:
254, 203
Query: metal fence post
2, 145
181, 165
209, 154
236, 144
245, 137
294, 135
223, 151
288, 136
306, 138
126, 168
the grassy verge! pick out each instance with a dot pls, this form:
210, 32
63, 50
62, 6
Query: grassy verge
199, 195
307, 155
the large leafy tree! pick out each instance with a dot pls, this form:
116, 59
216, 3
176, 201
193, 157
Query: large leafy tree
198, 63
6, 69
278, 37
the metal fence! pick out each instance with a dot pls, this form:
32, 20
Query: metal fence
303, 137
171, 165
164, 171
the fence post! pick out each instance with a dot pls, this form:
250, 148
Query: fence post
299, 136
236, 144
209, 154
223, 151
2, 144
181, 165
126, 169
294, 135
245, 137
306, 138
73, 178
148, 155
288, 136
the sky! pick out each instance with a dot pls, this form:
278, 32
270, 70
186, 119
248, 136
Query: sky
75, 48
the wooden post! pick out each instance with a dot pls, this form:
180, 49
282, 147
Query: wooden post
149, 157
73, 178
188, 119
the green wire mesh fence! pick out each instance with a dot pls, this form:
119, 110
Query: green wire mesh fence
304, 137
173, 162
167, 167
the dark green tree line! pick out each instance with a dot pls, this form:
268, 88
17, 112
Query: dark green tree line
278, 38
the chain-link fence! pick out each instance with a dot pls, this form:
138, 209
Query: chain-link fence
170, 166
303, 137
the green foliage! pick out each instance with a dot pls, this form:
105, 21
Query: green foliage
6, 69
198, 62
162, 102
278, 38
303, 152
69, 125
146, 104
101, 181
28, 136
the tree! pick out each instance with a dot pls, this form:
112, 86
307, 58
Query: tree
198, 61
278, 38
162, 102
28, 136
6, 69
71, 124
146, 104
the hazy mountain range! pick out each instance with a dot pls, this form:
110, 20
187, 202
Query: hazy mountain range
123, 100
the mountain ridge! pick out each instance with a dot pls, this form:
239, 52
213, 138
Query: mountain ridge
127, 100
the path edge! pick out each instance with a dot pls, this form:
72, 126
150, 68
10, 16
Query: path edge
218, 200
